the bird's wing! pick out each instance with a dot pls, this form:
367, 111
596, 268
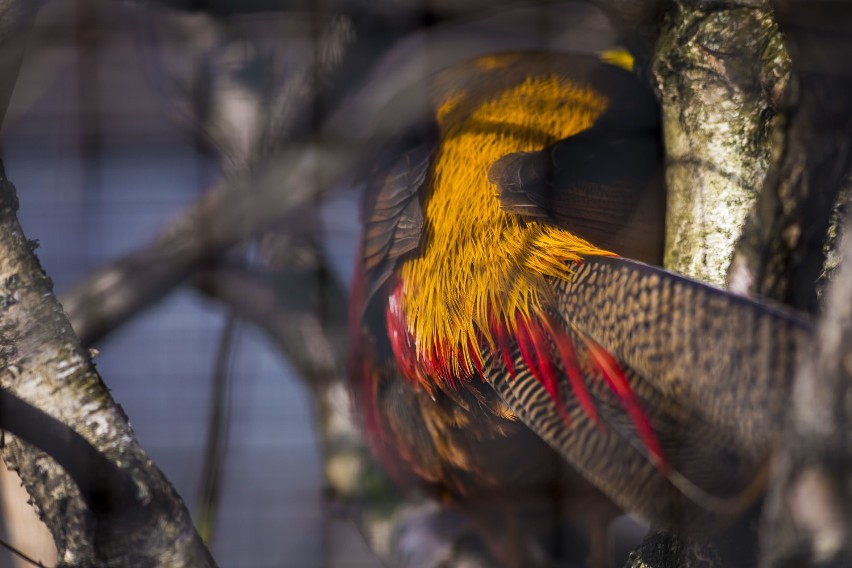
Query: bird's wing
610, 453
590, 183
725, 356
392, 215
604, 184
685, 384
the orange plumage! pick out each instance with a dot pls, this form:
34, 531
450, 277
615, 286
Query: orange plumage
472, 313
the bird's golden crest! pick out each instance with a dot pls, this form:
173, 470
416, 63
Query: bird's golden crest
481, 265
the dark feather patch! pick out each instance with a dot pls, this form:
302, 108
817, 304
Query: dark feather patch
588, 184
393, 216
726, 357
604, 184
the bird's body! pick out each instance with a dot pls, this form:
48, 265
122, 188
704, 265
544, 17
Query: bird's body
475, 253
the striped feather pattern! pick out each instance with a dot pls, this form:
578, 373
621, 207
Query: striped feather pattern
707, 480
725, 358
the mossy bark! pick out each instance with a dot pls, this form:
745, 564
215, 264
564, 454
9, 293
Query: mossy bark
719, 69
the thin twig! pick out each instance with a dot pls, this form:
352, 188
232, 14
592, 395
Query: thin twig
20, 554
216, 445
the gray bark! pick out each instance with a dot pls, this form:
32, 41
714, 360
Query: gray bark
44, 365
719, 68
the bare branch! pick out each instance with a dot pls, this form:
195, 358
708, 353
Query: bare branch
809, 513
134, 517
719, 68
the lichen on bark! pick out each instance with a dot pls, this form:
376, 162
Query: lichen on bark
719, 69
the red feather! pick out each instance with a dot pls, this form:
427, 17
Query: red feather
617, 381
565, 347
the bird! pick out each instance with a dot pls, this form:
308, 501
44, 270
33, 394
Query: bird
515, 342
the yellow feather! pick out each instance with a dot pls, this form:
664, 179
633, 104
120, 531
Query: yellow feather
618, 57
480, 262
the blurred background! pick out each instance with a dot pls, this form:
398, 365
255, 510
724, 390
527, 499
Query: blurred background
121, 118
100, 169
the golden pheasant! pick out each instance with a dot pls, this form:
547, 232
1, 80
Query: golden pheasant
497, 332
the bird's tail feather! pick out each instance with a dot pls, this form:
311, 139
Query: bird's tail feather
641, 424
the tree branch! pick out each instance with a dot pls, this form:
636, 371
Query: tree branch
133, 518
719, 69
